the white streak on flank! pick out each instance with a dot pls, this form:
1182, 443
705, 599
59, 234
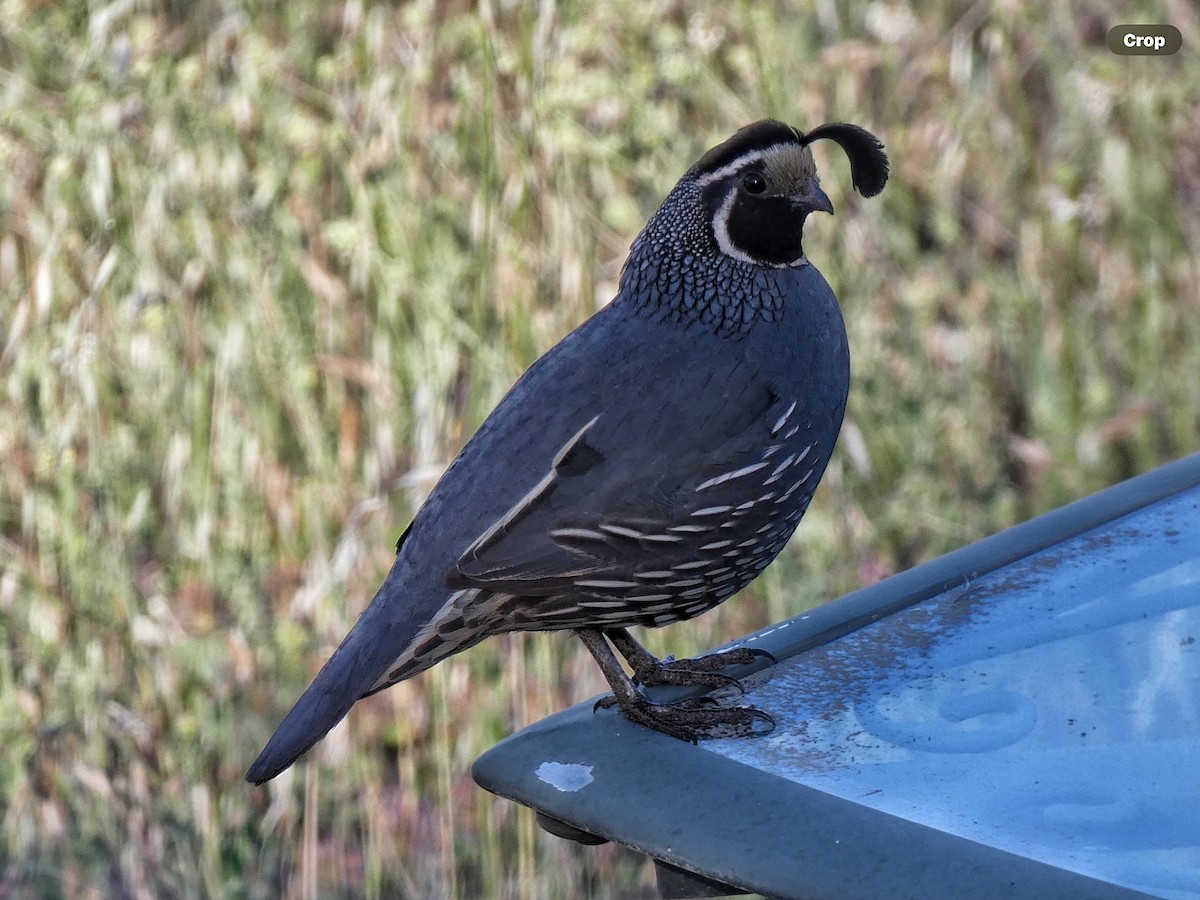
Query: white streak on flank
774, 476
788, 493
656, 574
606, 584
782, 420
712, 511
694, 564
565, 777
793, 460
663, 538
716, 545
582, 534
691, 529
729, 476
621, 531
651, 608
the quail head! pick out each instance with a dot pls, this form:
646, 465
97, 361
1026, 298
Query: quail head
647, 467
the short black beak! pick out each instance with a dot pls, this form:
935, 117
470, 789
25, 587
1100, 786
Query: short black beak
814, 200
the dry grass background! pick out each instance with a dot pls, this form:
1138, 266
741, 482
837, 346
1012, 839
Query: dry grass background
264, 267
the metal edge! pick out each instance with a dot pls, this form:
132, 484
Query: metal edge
747, 828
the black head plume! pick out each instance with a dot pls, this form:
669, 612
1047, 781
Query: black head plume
868, 162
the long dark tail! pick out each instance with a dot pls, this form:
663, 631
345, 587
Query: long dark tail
385, 630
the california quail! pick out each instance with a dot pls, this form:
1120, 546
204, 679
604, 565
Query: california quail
646, 468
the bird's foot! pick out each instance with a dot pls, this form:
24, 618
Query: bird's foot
692, 720
689, 720
703, 671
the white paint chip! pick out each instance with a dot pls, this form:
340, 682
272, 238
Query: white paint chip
565, 777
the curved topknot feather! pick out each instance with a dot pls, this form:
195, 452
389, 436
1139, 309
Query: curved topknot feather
868, 162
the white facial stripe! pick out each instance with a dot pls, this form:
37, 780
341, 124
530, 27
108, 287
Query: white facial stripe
739, 163
721, 231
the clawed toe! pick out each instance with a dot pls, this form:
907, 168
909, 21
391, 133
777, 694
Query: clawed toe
688, 720
678, 675
738, 656
703, 671
694, 719
753, 653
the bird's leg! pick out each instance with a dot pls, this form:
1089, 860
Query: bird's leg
685, 722
699, 672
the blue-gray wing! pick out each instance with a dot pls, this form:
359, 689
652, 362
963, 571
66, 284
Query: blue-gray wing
700, 516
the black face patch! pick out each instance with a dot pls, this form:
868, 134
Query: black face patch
761, 183
767, 229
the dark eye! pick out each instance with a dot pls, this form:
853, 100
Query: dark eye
754, 183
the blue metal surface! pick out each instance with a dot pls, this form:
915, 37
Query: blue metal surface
1050, 708
1017, 718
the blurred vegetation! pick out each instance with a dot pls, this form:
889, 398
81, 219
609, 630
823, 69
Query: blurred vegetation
265, 266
